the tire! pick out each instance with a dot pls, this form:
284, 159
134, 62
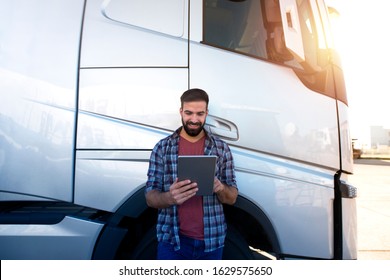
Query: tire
147, 247
236, 247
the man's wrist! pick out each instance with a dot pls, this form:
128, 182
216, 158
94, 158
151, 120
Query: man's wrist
168, 199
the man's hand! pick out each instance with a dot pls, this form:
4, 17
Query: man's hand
179, 192
226, 194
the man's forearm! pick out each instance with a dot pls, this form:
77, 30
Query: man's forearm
228, 195
157, 199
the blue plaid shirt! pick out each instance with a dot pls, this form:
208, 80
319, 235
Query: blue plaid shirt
161, 175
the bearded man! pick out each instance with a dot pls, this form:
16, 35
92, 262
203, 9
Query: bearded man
190, 226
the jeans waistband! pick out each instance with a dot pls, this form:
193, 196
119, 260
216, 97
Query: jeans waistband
191, 241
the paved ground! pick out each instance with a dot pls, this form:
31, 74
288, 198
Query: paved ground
372, 178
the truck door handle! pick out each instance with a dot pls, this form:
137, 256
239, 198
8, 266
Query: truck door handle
222, 128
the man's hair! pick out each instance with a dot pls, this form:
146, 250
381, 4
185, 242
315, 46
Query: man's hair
194, 94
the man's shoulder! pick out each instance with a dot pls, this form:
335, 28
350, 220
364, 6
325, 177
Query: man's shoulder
218, 142
214, 137
217, 139
168, 140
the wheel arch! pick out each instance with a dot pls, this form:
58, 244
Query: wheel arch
126, 227
128, 223
254, 225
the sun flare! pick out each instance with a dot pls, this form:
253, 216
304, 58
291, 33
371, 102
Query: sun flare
361, 37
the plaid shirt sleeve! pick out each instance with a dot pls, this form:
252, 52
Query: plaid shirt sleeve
227, 174
225, 165
215, 225
156, 170
161, 174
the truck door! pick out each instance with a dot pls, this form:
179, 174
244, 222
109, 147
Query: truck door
39, 44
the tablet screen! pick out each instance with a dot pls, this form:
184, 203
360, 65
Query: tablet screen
199, 169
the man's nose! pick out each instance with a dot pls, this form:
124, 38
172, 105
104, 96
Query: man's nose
194, 118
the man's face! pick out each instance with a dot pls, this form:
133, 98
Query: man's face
193, 116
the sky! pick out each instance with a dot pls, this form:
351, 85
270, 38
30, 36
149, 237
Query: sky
362, 36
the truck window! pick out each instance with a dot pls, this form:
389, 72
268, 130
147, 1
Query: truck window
255, 28
252, 27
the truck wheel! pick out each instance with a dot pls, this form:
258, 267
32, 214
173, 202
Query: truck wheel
147, 247
236, 247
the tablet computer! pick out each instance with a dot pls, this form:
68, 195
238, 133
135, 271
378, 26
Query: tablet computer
199, 169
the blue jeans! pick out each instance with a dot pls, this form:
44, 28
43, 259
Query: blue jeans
190, 249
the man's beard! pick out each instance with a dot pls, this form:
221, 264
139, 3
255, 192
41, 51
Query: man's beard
193, 131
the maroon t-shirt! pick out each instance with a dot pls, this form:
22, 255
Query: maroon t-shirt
191, 211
